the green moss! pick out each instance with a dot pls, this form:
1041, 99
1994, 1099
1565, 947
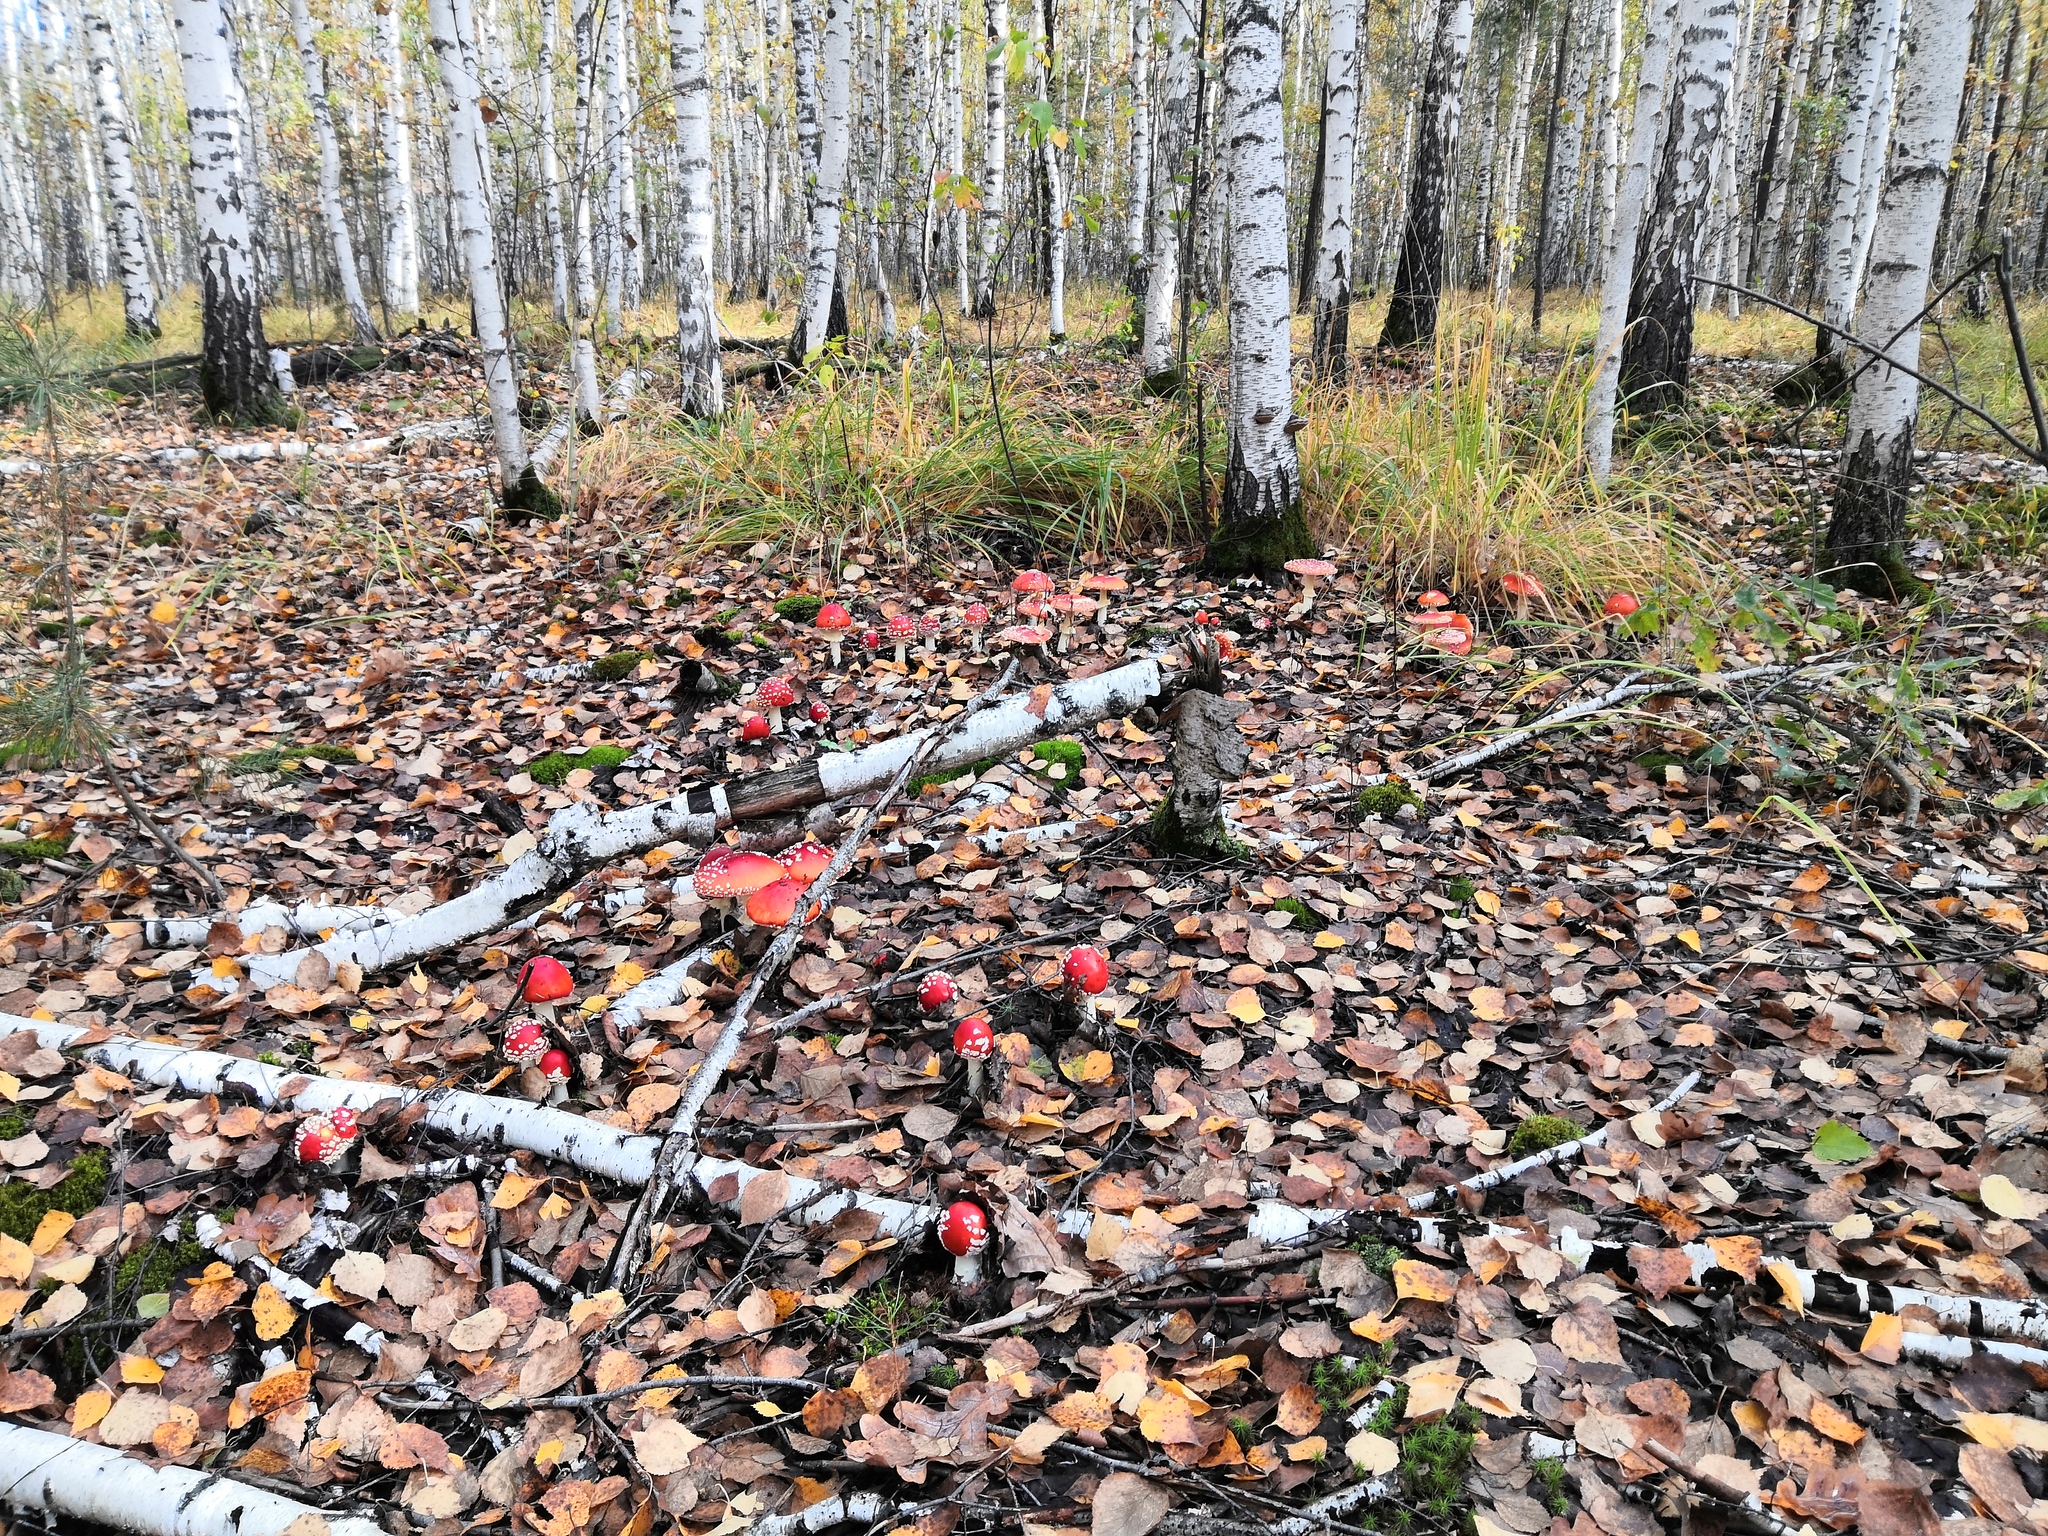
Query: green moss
799, 609
22, 1206
947, 1376
53, 629
285, 759
1306, 917
1061, 754
1260, 546
556, 767
14, 1122
151, 1268
1170, 836
1379, 1257
886, 1316
1548, 1484
1337, 1378
1539, 1133
529, 497
12, 887
28, 850
616, 667
1433, 1461
367, 358
159, 538
1387, 799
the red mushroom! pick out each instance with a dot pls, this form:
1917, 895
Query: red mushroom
1105, 589
1026, 634
555, 1067
1620, 605
747, 872
976, 619
937, 992
524, 1043
1454, 636
1086, 970
545, 982
1310, 571
902, 630
775, 903
963, 1232
754, 728
1521, 586
1432, 600
819, 712
870, 641
778, 696
322, 1143
710, 882
974, 1042
1030, 584
804, 862
930, 626
833, 621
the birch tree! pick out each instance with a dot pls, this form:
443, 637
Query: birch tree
397, 199
235, 374
1137, 242
1050, 136
828, 189
1262, 525
131, 240
956, 153
519, 485
1618, 261
994, 132
1332, 321
1656, 355
697, 350
331, 211
549, 154
1866, 534
1168, 228
1873, 31
1418, 280
583, 295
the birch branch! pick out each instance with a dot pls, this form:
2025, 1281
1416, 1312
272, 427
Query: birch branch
210, 1235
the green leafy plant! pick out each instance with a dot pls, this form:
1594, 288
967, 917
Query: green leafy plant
1548, 1475
286, 759
885, 1316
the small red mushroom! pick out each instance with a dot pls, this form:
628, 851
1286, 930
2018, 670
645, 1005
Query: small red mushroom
1432, 599
963, 1232
555, 1067
545, 982
974, 1042
902, 630
747, 872
1030, 584
819, 712
1521, 586
805, 861
976, 619
775, 903
778, 696
833, 621
1105, 589
1620, 605
930, 626
870, 641
323, 1142
1087, 969
525, 1042
754, 728
937, 992
1026, 634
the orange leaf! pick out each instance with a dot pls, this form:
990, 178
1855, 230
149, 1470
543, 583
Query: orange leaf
1424, 1282
1298, 1413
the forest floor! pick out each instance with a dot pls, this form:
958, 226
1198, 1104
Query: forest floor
1806, 864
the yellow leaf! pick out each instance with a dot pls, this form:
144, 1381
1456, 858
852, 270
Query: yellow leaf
1486, 902
2004, 1198
628, 973
1424, 1282
90, 1408
163, 611
1376, 1328
1884, 1337
50, 1231
274, 1315
16, 1258
1372, 1454
1489, 1004
1094, 1067
1244, 1006
1788, 1284
2032, 959
140, 1371
513, 1190
2004, 1431
1690, 938
1311, 1449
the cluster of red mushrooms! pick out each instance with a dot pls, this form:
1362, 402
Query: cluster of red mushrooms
1450, 631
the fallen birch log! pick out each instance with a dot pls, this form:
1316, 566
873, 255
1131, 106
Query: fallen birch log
557, 433
207, 1230
661, 990
582, 836
97, 1485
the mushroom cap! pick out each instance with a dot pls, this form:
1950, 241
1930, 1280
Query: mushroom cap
776, 693
1105, 584
343, 1119
524, 1043
833, 616
931, 623
774, 904
963, 1230
937, 990
869, 639
1438, 620
903, 627
756, 728
748, 871
554, 1065
1063, 603
1311, 567
973, 1039
1025, 634
319, 1143
976, 615
820, 711
1084, 607
1450, 638
1031, 581
1087, 968
1432, 599
711, 882
804, 862
1621, 604
1521, 584
547, 980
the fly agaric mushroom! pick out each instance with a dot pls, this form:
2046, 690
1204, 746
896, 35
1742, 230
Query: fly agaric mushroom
1062, 605
1105, 589
524, 1043
1521, 586
1310, 571
974, 1042
1455, 638
1087, 974
804, 862
1030, 584
1432, 600
902, 630
324, 1140
775, 903
754, 728
1620, 605
778, 696
870, 641
819, 712
833, 621
546, 982
976, 619
1026, 634
937, 992
930, 626
554, 1066
963, 1232
736, 877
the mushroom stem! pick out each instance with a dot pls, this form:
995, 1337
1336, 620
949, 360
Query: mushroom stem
1066, 633
546, 1012
1308, 593
967, 1269
974, 1078
902, 646
1102, 611
558, 1094
1521, 607
775, 719
977, 640
834, 643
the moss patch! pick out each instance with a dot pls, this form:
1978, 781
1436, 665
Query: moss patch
22, 1206
150, 1269
1539, 1133
1433, 1461
556, 767
1306, 917
159, 538
1387, 799
800, 609
1170, 836
616, 667
1045, 756
285, 759
28, 850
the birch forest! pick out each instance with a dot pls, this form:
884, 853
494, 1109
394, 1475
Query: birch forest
1047, 767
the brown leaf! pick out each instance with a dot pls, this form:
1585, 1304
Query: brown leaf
22, 1390
1660, 1271
1298, 1413
1991, 1477
1126, 1504
1587, 1334
1083, 1411
1310, 1341
279, 1391
828, 1413
764, 1197
1895, 1509
880, 1381
413, 1445
550, 1367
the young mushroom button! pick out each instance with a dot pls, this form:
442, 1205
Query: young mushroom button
524, 1043
545, 982
833, 621
1521, 586
963, 1232
754, 728
554, 1066
937, 992
778, 696
976, 619
974, 1042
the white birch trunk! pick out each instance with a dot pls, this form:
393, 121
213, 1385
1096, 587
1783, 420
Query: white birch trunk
551, 159
1611, 105
583, 316
995, 132
235, 375
615, 159
1873, 24
1727, 191
622, 105
1137, 247
131, 240
697, 351
1868, 527
1877, 139
1772, 234
1332, 321
956, 154
519, 485
803, 49
339, 239
1159, 360
398, 200
1618, 264
1507, 224
828, 190
1056, 190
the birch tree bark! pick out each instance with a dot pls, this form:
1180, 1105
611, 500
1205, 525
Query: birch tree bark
1873, 28
331, 211
235, 375
1610, 129
1618, 262
1877, 139
1783, 147
1262, 525
995, 131
1055, 185
1331, 344
956, 153
397, 199
549, 155
821, 272
1137, 245
697, 351
620, 105
1159, 361
1656, 356
1867, 532
131, 240
614, 155
583, 313
1507, 222
1418, 280
519, 485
